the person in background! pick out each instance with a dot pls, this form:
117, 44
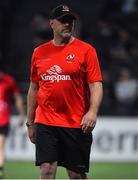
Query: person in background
126, 92
8, 91
66, 79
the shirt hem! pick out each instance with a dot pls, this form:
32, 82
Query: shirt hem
58, 125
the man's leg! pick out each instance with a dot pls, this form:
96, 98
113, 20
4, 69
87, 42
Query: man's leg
46, 150
48, 170
75, 175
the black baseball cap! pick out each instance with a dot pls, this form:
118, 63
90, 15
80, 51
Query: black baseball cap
61, 11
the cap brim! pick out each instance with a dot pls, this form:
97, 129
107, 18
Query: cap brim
71, 15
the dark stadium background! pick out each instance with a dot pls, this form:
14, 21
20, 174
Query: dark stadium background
109, 25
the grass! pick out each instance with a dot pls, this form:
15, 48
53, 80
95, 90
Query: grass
27, 170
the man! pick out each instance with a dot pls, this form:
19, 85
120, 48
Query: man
8, 90
63, 99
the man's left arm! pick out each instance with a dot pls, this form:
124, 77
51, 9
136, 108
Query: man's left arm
89, 119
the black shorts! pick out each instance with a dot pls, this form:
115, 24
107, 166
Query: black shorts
70, 147
4, 130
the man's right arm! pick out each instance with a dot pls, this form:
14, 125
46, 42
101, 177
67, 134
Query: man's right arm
31, 107
31, 102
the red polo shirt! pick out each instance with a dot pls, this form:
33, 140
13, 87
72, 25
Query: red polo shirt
63, 74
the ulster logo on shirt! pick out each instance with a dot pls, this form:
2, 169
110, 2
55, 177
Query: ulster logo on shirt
54, 75
70, 58
54, 70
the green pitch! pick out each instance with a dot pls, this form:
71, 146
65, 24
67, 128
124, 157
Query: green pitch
27, 170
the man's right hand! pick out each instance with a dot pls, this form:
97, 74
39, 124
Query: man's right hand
31, 133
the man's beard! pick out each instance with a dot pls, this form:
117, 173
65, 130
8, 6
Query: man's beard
66, 34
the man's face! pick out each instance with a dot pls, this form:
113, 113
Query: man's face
62, 27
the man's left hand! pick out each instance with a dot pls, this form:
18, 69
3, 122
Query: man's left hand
88, 122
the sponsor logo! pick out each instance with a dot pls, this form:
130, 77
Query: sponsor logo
65, 8
54, 75
70, 58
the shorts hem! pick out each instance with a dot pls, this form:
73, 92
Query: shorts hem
39, 163
75, 169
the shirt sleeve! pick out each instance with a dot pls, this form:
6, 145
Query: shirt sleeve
33, 76
93, 71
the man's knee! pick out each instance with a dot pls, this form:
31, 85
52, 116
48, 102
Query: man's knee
75, 175
48, 169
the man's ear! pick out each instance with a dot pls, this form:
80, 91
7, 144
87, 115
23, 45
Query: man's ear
51, 22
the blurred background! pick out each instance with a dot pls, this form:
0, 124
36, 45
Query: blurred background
111, 26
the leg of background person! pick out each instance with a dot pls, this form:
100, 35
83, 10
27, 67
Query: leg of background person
2, 143
75, 175
48, 170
